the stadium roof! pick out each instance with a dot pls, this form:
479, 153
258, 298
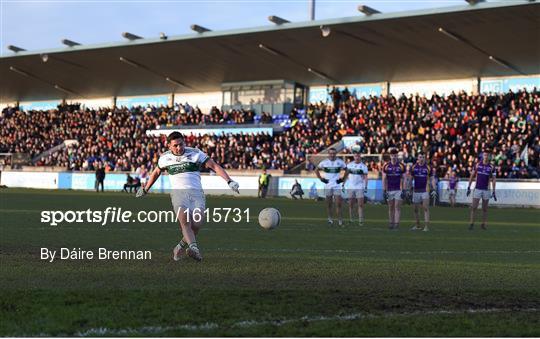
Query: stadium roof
361, 49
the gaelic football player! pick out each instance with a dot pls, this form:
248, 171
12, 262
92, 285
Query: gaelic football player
393, 188
184, 165
421, 174
452, 187
357, 182
484, 172
332, 168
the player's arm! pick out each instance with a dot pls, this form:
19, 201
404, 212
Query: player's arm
384, 181
471, 178
318, 174
403, 177
151, 180
346, 175
493, 184
366, 181
214, 166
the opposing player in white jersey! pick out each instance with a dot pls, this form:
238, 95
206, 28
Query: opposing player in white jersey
184, 165
356, 178
332, 168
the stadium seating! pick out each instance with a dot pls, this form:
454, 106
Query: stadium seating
452, 130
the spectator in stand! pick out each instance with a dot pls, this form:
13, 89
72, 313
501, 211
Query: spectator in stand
100, 177
450, 130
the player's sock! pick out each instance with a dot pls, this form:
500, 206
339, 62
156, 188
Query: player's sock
193, 251
183, 244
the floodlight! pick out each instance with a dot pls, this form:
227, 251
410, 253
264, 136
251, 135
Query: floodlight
70, 43
277, 20
199, 29
130, 36
15, 48
367, 10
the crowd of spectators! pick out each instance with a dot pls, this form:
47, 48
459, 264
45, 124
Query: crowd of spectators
117, 138
188, 115
452, 131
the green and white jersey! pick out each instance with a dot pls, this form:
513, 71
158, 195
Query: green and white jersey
332, 169
184, 170
357, 173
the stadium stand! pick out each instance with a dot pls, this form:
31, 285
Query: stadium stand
452, 130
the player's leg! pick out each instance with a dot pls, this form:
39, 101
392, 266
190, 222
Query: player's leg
184, 216
199, 203
416, 217
186, 213
351, 195
391, 203
338, 203
397, 213
425, 205
485, 203
360, 202
329, 205
474, 206
416, 209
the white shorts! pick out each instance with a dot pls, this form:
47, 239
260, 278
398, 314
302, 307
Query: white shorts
452, 192
419, 197
332, 190
188, 199
482, 194
357, 193
394, 195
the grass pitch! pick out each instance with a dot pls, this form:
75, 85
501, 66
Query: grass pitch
302, 279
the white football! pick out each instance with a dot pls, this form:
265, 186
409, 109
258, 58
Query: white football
269, 218
356, 148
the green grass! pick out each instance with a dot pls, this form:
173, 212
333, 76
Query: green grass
302, 279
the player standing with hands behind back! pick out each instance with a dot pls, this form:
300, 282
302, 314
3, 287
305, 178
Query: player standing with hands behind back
357, 181
484, 172
421, 174
184, 167
393, 188
332, 168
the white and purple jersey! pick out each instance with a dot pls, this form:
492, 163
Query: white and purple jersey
453, 182
420, 174
393, 172
483, 174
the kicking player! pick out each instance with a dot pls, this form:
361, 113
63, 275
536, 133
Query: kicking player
393, 188
184, 165
452, 187
421, 174
332, 168
483, 172
356, 176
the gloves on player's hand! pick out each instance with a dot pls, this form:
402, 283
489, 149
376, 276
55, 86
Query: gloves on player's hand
234, 186
434, 194
339, 181
468, 191
385, 195
494, 196
324, 180
403, 194
140, 192
365, 190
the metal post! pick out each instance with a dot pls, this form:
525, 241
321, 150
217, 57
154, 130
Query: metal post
312, 10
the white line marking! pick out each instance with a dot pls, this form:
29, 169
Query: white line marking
300, 250
146, 330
